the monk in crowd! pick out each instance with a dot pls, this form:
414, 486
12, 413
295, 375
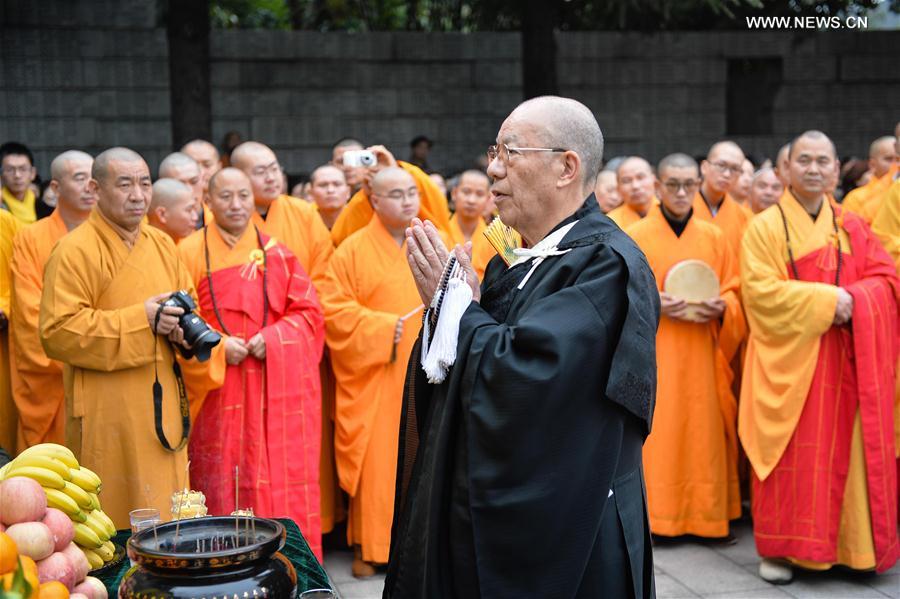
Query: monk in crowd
37, 380
255, 292
636, 184
173, 209
467, 224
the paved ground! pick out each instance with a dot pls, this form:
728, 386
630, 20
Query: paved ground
694, 569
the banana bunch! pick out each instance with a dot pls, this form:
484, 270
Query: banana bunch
72, 489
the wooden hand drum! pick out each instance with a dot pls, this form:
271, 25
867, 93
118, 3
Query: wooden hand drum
693, 281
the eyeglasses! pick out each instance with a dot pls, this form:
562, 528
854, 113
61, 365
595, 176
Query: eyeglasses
273, 168
13, 170
726, 168
688, 186
504, 152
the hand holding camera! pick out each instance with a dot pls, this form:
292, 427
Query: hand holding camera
172, 314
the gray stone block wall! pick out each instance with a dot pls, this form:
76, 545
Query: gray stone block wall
94, 73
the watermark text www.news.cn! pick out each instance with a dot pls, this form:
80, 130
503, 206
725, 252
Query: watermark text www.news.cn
810, 22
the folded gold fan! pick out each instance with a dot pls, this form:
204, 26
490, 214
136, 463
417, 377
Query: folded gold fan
504, 238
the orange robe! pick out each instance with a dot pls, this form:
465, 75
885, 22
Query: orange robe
866, 200
9, 225
37, 380
625, 215
690, 458
358, 211
266, 416
482, 250
816, 410
731, 217
368, 288
93, 320
296, 224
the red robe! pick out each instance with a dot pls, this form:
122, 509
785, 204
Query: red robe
266, 418
797, 508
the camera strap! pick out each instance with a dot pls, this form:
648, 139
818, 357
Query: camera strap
158, 395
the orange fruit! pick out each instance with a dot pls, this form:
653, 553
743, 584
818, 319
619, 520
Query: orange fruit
8, 554
29, 565
54, 590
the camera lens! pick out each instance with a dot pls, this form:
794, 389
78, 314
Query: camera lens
198, 335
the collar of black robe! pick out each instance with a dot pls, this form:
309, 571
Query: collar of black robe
677, 226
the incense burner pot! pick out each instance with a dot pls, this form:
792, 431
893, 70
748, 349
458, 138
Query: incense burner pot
207, 558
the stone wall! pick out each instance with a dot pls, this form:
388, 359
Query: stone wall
94, 73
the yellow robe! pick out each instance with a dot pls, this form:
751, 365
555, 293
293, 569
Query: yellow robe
358, 211
37, 380
23, 209
368, 288
866, 200
482, 250
787, 319
690, 459
886, 225
9, 225
93, 320
296, 224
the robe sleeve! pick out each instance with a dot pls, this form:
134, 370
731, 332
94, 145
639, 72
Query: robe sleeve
351, 329
734, 325
886, 224
534, 413
9, 225
302, 321
26, 292
74, 332
779, 308
320, 249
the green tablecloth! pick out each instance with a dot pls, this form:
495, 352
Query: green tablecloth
310, 574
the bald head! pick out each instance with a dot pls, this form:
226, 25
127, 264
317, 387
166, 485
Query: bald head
172, 209
765, 189
176, 162
882, 155
168, 192
781, 164
721, 170
566, 123
813, 166
62, 164
395, 199
390, 177
677, 160
470, 196
607, 191
259, 163
229, 174
100, 170
326, 170
205, 155
814, 136
636, 183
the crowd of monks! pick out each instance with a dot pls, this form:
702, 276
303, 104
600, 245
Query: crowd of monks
780, 390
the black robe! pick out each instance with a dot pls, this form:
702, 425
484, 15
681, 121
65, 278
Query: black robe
505, 469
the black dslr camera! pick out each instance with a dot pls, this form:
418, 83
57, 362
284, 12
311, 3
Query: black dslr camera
197, 333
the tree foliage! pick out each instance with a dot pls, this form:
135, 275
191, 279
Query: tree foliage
507, 15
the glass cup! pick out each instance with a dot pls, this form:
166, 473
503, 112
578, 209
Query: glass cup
143, 518
318, 594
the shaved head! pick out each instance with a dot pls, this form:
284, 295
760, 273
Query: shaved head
245, 155
325, 168
175, 162
566, 123
389, 177
168, 192
349, 143
607, 191
637, 183
60, 165
721, 170
474, 174
100, 170
228, 173
812, 135
199, 145
882, 155
677, 160
765, 189
724, 147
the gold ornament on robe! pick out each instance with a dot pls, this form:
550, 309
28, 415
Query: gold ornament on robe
256, 261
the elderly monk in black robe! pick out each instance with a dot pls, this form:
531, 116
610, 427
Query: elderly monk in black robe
520, 474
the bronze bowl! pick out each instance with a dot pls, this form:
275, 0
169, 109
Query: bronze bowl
222, 558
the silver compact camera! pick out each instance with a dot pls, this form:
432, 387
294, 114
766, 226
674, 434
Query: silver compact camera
357, 158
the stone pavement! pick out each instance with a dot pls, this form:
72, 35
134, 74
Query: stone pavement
695, 569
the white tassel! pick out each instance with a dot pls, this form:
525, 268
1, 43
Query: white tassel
441, 354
